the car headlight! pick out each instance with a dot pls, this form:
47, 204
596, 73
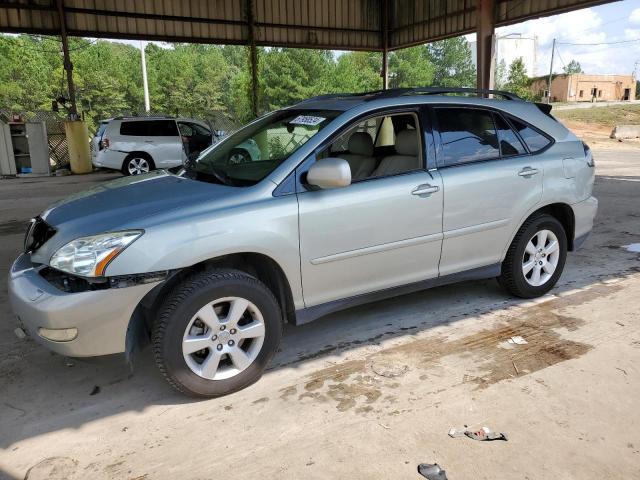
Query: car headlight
89, 256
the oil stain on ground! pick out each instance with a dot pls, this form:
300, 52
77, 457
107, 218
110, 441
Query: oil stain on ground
363, 382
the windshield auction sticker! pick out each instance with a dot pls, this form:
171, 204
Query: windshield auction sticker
307, 120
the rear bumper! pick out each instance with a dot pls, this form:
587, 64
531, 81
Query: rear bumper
108, 158
584, 213
101, 317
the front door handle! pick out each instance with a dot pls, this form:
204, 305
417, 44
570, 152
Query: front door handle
528, 172
425, 189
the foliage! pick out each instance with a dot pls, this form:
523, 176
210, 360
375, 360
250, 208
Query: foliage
453, 66
196, 80
411, 67
357, 72
500, 75
517, 79
572, 67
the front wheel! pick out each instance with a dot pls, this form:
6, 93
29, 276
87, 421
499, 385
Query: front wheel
536, 257
216, 333
239, 156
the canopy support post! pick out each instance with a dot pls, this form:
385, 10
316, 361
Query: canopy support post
485, 43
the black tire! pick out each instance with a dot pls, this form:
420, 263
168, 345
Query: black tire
512, 277
132, 157
179, 308
238, 156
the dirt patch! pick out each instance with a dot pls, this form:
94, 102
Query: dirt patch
359, 383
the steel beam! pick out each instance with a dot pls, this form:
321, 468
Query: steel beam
485, 43
253, 56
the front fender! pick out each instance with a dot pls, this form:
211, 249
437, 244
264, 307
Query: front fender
268, 227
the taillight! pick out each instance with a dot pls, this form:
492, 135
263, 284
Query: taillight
588, 155
104, 143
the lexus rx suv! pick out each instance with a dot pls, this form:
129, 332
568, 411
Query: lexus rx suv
352, 199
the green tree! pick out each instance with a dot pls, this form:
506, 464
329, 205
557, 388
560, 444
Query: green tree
453, 64
411, 67
500, 75
107, 77
357, 72
572, 67
517, 79
29, 76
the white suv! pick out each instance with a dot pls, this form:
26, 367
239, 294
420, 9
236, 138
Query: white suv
137, 145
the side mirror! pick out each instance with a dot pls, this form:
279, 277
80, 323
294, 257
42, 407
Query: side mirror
329, 173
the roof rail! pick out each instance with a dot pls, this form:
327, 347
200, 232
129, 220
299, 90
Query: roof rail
330, 96
131, 117
396, 92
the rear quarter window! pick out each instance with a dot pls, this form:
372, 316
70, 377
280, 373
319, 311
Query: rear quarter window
534, 139
101, 129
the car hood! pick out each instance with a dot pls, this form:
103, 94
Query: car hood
128, 202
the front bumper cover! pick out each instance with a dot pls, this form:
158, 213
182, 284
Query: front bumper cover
101, 316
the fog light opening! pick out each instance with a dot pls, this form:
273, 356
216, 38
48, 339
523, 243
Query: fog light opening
58, 334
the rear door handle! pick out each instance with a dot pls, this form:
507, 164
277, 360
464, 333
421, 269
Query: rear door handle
425, 189
528, 172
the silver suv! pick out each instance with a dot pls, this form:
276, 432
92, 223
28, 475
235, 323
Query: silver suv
353, 198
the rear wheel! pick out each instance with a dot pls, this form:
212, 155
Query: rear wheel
137, 164
536, 257
216, 333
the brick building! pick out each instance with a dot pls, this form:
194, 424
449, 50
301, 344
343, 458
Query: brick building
580, 87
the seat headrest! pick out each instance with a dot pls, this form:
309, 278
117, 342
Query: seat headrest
360, 143
407, 142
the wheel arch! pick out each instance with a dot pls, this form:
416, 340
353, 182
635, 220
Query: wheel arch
560, 211
259, 265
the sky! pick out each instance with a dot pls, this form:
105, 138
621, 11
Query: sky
613, 22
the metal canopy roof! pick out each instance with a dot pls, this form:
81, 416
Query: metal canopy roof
331, 24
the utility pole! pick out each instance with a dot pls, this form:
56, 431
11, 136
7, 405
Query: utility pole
553, 51
145, 85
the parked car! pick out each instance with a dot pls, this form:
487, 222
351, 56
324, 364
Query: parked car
354, 198
136, 145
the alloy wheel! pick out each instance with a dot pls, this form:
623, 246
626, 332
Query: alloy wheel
138, 166
540, 258
223, 338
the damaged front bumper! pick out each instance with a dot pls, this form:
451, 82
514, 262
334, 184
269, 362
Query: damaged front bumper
84, 324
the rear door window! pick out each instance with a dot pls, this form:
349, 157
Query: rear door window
466, 135
534, 139
149, 128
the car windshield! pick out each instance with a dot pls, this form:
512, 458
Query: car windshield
253, 152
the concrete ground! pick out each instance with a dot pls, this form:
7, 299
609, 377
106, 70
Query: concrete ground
366, 393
